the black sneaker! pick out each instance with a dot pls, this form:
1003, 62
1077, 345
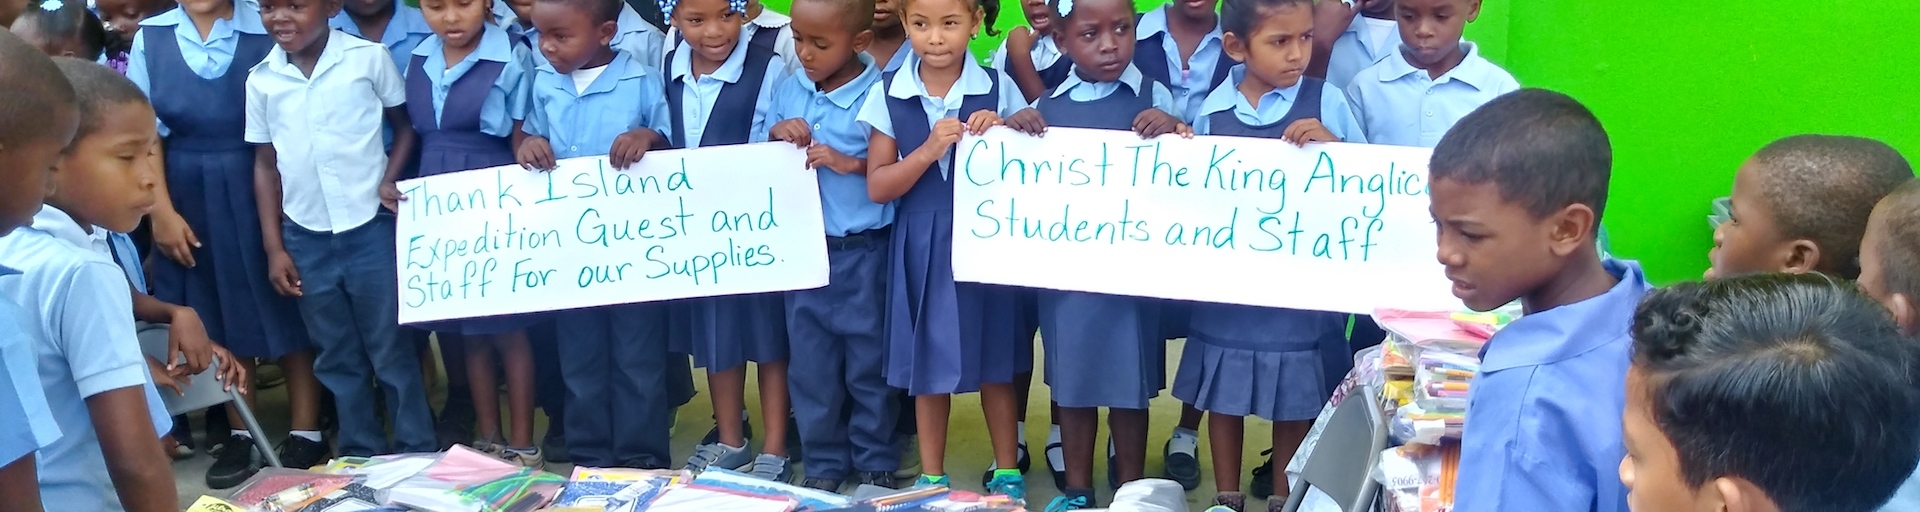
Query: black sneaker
455, 424
234, 465
824, 484
555, 448
299, 453
1262, 485
879, 479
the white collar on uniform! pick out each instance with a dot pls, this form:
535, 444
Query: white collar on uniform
1473, 70
58, 223
1131, 78
728, 71
973, 80
338, 44
770, 19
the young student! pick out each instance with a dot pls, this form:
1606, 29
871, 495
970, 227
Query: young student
89, 363
766, 29
1101, 350
889, 49
1519, 187
1820, 361
1030, 54
395, 25
635, 35
943, 337
193, 61
37, 90
1268, 95
124, 16
1801, 204
466, 99
68, 29
1351, 37
719, 89
844, 410
588, 99
1179, 45
1413, 96
331, 246
1889, 259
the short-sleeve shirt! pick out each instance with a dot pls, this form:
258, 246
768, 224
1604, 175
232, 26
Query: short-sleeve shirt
83, 316
1366, 42
1190, 80
1335, 114
974, 80
506, 101
1402, 105
404, 32
830, 117
626, 95
26, 424
1543, 417
700, 93
326, 129
209, 58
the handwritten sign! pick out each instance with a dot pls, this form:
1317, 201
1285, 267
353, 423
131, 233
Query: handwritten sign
685, 223
1331, 227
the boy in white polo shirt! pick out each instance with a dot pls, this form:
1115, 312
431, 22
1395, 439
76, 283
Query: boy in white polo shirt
315, 107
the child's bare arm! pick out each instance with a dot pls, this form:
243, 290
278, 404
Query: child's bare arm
397, 157
20, 483
171, 234
1020, 65
142, 475
889, 176
1330, 19
267, 195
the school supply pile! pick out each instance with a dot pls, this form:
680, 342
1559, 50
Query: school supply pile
1418, 477
1436, 356
932, 499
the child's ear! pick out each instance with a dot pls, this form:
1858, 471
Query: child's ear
1473, 10
607, 31
1572, 229
1803, 256
1235, 47
862, 40
1739, 495
1904, 315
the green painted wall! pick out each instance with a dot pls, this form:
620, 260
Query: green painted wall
1688, 90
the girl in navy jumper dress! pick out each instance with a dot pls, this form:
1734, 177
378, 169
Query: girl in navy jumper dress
1101, 350
193, 63
466, 98
1245, 360
719, 90
943, 337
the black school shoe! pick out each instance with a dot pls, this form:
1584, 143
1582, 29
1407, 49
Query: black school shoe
1181, 467
821, 484
299, 453
879, 479
234, 465
1262, 485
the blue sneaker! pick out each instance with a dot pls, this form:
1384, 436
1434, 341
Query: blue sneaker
932, 481
1012, 486
1069, 503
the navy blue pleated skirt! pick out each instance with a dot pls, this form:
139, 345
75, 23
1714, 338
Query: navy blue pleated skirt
731, 330
944, 337
448, 152
1254, 361
212, 188
1102, 350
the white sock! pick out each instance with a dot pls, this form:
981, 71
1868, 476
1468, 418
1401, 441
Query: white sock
310, 435
1185, 441
1053, 434
243, 433
1185, 432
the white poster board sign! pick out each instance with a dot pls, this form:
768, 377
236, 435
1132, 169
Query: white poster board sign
1331, 227
682, 223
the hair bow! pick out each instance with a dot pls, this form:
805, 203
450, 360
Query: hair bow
1063, 7
51, 5
666, 6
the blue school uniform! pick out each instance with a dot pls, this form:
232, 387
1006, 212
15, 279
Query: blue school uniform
1157, 56
405, 31
1253, 361
1402, 105
1543, 419
633, 35
26, 424
465, 115
614, 358
1047, 59
841, 402
728, 106
1366, 42
198, 94
943, 337
1102, 350
900, 57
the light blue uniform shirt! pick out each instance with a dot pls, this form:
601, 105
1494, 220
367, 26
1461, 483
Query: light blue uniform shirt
635, 36
1543, 418
26, 424
128, 257
210, 58
974, 80
830, 116
83, 318
1357, 49
1907, 498
900, 57
1402, 105
1084, 91
1191, 86
696, 100
404, 31
1335, 114
506, 102
625, 96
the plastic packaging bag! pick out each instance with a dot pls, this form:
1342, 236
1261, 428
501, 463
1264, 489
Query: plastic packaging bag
282, 489
1418, 478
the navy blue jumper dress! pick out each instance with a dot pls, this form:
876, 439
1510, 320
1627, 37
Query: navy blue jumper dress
210, 175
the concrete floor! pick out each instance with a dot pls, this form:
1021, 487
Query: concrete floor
967, 455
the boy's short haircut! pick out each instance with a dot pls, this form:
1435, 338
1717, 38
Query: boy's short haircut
35, 91
1800, 384
1900, 240
1240, 16
96, 87
600, 11
1543, 149
1823, 187
857, 15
